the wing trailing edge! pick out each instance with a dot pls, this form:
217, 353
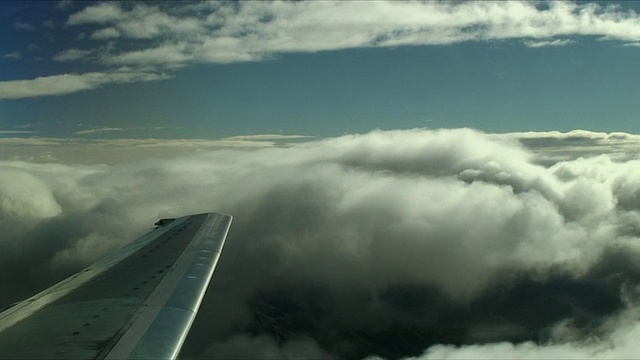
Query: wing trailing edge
138, 302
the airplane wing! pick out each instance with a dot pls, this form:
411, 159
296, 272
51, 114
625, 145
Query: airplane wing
138, 302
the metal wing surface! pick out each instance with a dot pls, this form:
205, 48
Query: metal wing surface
138, 302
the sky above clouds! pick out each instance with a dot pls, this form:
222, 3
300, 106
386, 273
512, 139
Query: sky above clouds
216, 69
408, 180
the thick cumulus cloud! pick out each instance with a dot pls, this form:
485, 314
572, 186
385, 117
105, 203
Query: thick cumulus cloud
424, 243
22, 194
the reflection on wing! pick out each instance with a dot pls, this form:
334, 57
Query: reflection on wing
138, 302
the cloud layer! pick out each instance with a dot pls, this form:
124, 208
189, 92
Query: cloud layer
433, 243
159, 37
231, 32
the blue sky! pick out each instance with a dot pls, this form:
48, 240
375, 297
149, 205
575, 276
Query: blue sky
211, 70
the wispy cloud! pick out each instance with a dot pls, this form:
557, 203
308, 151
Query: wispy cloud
544, 43
70, 83
14, 55
155, 36
50, 24
119, 129
139, 22
106, 33
64, 4
267, 137
249, 31
13, 132
23, 26
89, 150
98, 130
72, 54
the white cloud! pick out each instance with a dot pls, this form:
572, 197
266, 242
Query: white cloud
50, 85
22, 194
14, 55
574, 134
86, 250
545, 43
72, 54
266, 137
106, 33
139, 22
220, 32
341, 244
165, 54
141, 142
64, 4
98, 130
101, 13
70, 83
23, 26
250, 31
16, 131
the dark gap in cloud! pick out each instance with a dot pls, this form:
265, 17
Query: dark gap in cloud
405, 319
550, 142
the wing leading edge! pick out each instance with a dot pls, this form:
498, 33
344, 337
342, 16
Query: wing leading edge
138, 302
